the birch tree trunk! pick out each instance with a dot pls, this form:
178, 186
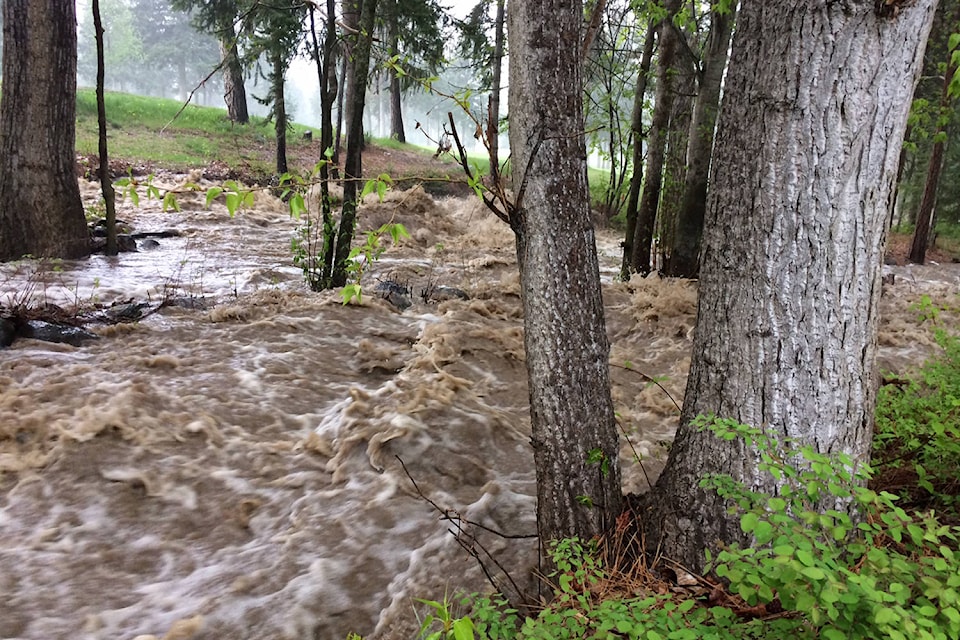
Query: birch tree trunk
575, 440
817, 96
40, 209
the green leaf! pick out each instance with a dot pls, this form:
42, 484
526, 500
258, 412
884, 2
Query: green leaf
748, 522
233, 203
463, 629
170, 201
212, 194
814, 573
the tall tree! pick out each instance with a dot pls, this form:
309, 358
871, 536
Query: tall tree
636, 162
685, 254
415, 40
219, 17
670, 42
359, 69
106, 181
793, 241
575, 440
40, 209
948, 94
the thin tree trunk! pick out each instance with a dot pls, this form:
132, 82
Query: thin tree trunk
493, 104
106, 183
596, 17
575, 442
685, 259
786, 333
359, 65
280, 111
636, 126
921, 234
650, 198
40, 209
393, 46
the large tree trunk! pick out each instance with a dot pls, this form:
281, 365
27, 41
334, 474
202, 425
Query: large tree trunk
40, 209
636, 130
234, 93
685, 256
357, 75
669, 43
575, 441
793, 241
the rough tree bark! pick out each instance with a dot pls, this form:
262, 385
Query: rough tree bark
40, 209
793, 241
669, 43
575, 440
685, 256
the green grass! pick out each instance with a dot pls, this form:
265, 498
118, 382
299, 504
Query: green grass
143, 129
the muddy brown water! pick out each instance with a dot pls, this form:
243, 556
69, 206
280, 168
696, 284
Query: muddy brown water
234, 471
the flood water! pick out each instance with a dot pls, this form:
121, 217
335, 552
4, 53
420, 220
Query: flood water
235, 471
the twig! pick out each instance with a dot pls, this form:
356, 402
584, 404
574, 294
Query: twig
650, 379
467, 540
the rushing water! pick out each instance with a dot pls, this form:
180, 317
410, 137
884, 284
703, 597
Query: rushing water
234, 471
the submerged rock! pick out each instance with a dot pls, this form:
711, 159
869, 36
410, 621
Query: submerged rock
56, 332
440, 293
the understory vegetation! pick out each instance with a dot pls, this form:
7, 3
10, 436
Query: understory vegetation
892, 571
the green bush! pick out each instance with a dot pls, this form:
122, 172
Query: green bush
888, 574
917, 434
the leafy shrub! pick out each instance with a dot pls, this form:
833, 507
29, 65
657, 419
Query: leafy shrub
917, 434
889, 574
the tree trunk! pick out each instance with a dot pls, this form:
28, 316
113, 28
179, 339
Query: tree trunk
393, 45
493, 104
40, 209
359, 70
921, 234
656, 151
793, 242
636, 126
351, 28
280, 111
575, 442
234, 93
106, 182
675, 159
685, 258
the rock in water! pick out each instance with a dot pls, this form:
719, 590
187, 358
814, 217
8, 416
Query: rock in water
394, 293
54, 332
